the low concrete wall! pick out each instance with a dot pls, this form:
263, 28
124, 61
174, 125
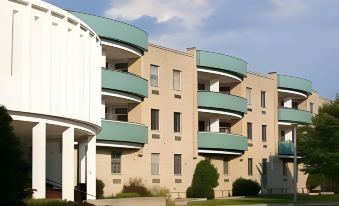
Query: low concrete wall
140, 201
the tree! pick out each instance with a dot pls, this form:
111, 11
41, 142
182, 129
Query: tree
13, 168
205, 178
318, 144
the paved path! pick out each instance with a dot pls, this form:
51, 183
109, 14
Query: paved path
136, 201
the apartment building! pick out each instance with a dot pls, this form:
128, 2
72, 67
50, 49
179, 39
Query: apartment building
153, 113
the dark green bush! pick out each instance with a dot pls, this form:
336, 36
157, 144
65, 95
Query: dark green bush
314, 180
245, 187
13, 168
205, 178
100, 189
136, 186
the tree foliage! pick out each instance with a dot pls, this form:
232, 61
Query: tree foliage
13, 168
318, 144
205, 178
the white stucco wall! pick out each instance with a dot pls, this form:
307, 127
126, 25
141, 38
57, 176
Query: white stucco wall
49, 62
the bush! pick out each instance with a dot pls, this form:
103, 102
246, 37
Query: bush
136, 186
314, 180
157, 191
245, 187
13, 168
205, 178
127, 195
100, 188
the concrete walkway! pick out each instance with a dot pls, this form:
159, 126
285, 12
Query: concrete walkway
139, 201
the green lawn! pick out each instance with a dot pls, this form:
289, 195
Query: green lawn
272, 199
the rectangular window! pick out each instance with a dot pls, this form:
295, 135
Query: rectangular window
201, 87
226, 166
284, 168
121, 114
176, 80
282, 136
249, 95
311, 107
263, 99
225, 127
202, 127
250, 166
155, 157
177, 122
224, 90
116, 162
154, 76
249, 130
154, 119
177, 164
121, 67
264, 132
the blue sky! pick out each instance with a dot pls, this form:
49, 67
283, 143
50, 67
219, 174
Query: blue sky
294, 37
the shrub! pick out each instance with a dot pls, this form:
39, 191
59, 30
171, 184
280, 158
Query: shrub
136, 186
157, 191
314, 180
100, 188
127, 195
245, 187
205, 178
13, 168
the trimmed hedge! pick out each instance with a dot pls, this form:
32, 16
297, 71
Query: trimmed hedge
245, 187
205, 178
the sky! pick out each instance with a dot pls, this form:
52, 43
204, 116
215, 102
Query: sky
293, 37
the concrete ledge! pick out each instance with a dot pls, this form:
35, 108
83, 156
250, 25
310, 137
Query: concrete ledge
140, 201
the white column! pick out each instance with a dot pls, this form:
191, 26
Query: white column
82, 161
214, 124
103, 108
103, 58
214, 85
288, 102
39, 160
91, 168
68, 164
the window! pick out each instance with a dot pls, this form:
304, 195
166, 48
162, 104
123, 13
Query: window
202, 127
121, 67
263, 99
177, 122
116, 162
311, 107
155, 163
249, 130
224, 90
224, 127
284, 168
295, 105
154, 119
176, 80
226, 166
177, 164
250, 166
154, 76
248, 95
121, 114
201, 87
282, 136
263, 132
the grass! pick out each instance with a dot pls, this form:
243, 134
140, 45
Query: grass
44, 202
272, 199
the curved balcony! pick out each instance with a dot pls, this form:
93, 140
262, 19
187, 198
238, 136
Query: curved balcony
215, 102
215, 62
290, 115
123, 132
295, 84
222, 141
286, 148
124, 82
115, 30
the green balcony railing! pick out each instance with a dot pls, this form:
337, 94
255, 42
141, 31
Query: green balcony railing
124, 81
221, 62
294, 116
295, 83
222, 141
123, 132
115, 30
222, 102
286, 148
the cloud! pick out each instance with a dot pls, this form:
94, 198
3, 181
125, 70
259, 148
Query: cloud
189, 12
